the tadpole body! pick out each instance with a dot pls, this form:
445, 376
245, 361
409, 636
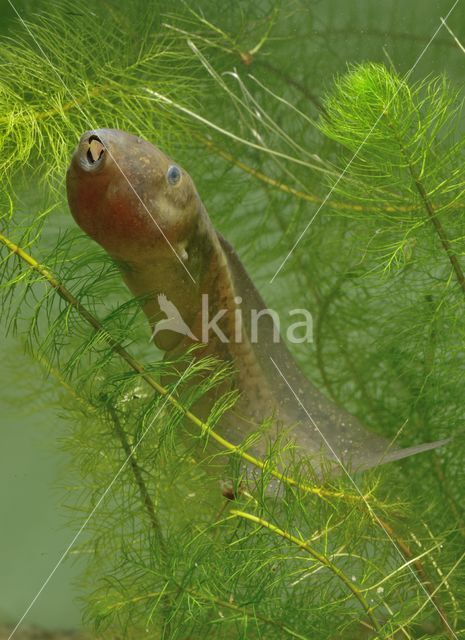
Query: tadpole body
144, 210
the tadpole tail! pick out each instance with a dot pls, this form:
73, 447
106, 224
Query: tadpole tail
398, 454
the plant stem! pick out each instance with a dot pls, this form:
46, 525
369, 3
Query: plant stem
143, 491
207, 597
425, 580
432, 216
309, 197
428, 205
66, 295
148, 504
322, 559
438, 228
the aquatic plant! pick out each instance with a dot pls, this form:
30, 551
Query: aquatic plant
380, 263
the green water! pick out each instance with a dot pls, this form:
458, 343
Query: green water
34, 532
319, 40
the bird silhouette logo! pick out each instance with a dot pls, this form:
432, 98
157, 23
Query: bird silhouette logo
173, 320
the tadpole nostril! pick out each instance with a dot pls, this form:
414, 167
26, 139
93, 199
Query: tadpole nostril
96, 149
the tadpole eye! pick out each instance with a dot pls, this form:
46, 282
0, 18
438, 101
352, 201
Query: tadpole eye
173, 175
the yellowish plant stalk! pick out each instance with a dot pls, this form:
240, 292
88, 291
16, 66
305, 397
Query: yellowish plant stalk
66, 295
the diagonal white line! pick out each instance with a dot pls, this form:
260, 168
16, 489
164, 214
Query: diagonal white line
102, 497
372, 513
330, 192
459, 44
429, 597
78, 106
99, 502
440, 585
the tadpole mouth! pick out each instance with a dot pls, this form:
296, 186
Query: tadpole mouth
95, 151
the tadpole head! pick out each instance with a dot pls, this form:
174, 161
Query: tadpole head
129, 196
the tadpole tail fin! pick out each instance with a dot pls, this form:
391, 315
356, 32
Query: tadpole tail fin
391, 455
399, 454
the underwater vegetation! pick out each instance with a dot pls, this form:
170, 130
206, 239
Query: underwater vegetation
329, 150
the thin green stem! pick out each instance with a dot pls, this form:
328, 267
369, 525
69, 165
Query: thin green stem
207, 597
322, 559
66, 295
433, 217
429, 208
143, 491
